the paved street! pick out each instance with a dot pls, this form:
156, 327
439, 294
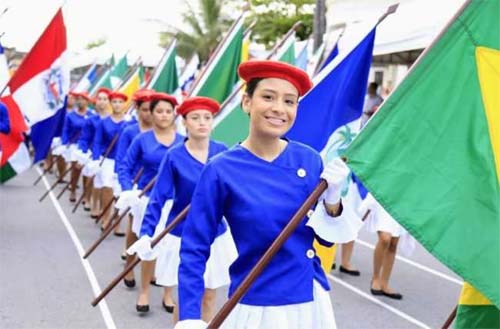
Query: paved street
45, 283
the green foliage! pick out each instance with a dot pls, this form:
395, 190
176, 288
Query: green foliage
275, 17
205, 30
95, 44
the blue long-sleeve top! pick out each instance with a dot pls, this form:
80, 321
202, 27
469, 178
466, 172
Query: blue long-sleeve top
257, 198
73, 125
4, 119
106, 131
178, 175
146, 152
88, 132
130, 131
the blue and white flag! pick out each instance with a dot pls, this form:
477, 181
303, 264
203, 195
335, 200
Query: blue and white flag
329, 115
87, 79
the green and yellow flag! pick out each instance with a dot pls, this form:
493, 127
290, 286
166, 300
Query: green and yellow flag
475, 310
431, 155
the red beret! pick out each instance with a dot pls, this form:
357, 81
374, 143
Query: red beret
274, 69
117, 94
72, 93
164, 97
83, 95
143, 95
103, 90
198, 103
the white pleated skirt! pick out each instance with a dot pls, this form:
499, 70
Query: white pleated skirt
379, 220
82, 157
317, 314
222, 254
138, 211
106, 176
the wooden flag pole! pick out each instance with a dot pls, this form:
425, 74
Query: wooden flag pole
45, 171
60, 179
268, 256
87, 186
136, 179
450, 318
110, 227
179, 218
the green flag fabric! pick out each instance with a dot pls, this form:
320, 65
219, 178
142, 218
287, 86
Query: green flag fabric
428, 155
115, 75
221, 74
165, 77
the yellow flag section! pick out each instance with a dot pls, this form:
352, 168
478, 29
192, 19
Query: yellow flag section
488, 67
132, 85
475, 310
326, 255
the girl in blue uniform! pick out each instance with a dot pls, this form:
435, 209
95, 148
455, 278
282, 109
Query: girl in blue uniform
142, 102
107, 130
83, 154
177, 178
257, 186
72, 130
146, 151
56, 146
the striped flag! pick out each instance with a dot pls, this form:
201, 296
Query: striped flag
87, 79
38, 91
475, 311
133, 83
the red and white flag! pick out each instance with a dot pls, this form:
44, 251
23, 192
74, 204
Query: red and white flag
35, 99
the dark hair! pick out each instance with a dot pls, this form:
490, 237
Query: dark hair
373, 85
252, 85
155, 102
138, 103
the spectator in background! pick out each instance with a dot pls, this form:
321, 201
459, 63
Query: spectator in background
372, 102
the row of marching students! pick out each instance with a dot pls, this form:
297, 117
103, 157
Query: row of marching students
241, 198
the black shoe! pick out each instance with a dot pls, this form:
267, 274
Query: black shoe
94, 216
334, 266
376, 292
120, 234
142, 308
168, 308
393, 295
350, 272
153, 282
86, 209
123, 256
129, 283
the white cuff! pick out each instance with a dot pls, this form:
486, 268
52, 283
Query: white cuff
142, 248
341, 229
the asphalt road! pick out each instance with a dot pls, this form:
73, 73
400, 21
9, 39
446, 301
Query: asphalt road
45, 283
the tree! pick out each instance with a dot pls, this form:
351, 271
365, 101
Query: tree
206, 27
275, 17
95, 43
